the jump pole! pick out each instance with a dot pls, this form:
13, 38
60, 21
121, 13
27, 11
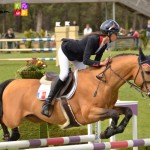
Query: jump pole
101, 146
28, 49
19, 59
46, 142
27, 39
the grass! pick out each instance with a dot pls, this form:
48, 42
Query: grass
8, 70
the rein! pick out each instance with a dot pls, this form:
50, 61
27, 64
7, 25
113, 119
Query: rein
132, 85
100, 77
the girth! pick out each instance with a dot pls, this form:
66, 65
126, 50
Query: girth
72, 120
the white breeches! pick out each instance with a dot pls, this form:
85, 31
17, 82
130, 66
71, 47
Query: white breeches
64, 65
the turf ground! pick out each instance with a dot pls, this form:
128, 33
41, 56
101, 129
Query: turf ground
8, 70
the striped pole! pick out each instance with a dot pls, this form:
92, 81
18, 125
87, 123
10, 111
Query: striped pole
29, 49
101, 146
27, 39
46, 142
20, 59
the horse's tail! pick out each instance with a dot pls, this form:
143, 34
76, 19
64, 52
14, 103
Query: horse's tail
2, 88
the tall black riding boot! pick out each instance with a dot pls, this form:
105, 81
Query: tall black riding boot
56, 87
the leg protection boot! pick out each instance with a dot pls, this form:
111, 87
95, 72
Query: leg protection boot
56, 87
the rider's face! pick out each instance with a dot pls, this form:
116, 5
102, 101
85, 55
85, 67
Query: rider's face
113, 37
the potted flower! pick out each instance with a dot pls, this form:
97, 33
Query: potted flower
34, 69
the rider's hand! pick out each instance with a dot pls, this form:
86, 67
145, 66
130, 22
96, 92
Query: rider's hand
105, 62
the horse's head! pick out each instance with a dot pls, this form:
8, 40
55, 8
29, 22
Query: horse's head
143, 75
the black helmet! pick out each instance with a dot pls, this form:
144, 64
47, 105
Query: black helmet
109, 26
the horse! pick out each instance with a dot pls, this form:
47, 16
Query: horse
94, 98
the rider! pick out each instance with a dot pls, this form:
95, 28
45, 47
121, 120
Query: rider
78, 52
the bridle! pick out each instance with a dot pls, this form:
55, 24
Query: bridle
101, 77
145, 82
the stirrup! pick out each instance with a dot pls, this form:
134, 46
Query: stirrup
49, 110
46, 104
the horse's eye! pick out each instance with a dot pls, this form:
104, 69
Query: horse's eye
147, 72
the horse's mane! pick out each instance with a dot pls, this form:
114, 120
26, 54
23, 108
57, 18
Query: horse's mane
125, 54
119, 55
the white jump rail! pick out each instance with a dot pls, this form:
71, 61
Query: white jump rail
27, 49
27, 39
101, 146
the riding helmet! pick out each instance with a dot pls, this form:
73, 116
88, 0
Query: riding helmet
109, 26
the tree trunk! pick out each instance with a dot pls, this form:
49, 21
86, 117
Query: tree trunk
126, 20
18, 24
65, 12
98, 16
134, 20
141, 24
79, 21
39, 20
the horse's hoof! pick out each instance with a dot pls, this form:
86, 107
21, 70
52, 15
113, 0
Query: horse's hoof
108, 133
14, 137
6, 137
103, 136
120, 129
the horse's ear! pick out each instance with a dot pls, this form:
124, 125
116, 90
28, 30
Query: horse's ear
141, 55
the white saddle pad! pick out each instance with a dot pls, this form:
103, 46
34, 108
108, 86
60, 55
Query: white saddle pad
44, 89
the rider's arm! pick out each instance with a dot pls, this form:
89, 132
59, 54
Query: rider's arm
88, 52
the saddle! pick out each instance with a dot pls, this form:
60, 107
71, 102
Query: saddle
68, 87
68, 84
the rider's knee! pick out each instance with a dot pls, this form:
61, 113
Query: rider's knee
63, 76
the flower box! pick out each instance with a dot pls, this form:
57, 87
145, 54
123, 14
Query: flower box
34, 69
31, 75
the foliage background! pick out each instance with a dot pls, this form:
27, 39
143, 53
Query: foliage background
44, 16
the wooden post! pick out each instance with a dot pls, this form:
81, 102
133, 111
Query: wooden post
60, 32
114, 11
73, 32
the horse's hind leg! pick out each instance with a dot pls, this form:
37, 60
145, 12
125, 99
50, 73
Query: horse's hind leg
5, 131
15, 135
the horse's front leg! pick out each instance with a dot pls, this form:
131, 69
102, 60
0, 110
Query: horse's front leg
111, 130
128, 114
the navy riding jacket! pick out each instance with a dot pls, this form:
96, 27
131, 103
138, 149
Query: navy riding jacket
81, 50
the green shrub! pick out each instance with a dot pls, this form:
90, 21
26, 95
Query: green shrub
144, 39
29, 34
40, 35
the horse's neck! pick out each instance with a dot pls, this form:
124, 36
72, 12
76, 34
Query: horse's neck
124, 68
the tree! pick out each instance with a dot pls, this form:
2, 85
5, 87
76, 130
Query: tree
44, 16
